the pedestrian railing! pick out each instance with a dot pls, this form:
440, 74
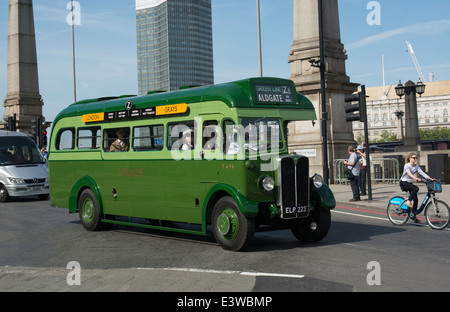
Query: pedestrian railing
383, 170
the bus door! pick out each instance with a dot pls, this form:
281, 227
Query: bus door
180, 178
211, 152
119, 175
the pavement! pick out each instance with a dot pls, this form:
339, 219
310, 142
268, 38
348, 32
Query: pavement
381, 193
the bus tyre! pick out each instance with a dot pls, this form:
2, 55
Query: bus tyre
232, 230
313, 228
89, 211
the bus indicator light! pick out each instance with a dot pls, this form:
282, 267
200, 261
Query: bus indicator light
171, 109
93, 117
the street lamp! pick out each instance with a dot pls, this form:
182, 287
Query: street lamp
400, 115
400, 89
418, 88
409, 90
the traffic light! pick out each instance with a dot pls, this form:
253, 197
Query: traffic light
36, 130
359, 108
10, 123
44, 138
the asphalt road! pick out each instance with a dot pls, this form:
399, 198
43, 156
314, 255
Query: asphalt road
46, 249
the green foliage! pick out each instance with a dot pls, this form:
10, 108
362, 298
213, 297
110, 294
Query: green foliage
386, 137
435, 133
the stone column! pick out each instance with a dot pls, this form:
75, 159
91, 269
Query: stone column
305, 136
412, 136
22, 98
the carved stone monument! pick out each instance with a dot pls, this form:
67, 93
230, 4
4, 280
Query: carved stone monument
306, 137
22, 97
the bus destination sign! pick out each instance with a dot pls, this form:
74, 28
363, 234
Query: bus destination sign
274, 94
131, 112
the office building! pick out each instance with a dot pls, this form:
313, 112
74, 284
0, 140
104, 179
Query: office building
174, 44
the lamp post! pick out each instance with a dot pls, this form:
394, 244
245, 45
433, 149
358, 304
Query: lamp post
409, 90
259, 38
400, 115
73, 54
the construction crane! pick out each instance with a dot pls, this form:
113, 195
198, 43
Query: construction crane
416, 63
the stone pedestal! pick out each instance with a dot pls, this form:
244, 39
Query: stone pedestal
306, 137
22, 98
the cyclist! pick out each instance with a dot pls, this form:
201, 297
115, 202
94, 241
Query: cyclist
408, 176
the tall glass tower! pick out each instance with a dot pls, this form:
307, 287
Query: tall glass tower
174, 44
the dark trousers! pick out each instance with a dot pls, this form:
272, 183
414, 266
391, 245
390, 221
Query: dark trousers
354, 184
413, 190
362, 181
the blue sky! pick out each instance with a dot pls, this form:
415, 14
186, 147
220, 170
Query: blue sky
106, 44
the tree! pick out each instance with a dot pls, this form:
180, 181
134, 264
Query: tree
434, 134
386, 137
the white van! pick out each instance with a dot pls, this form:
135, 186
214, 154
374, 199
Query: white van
23, 170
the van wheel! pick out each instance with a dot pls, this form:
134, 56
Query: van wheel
4, 196
43, 196
89, 211
232, 230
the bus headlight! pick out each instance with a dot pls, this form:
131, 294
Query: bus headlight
317, 180
268, 183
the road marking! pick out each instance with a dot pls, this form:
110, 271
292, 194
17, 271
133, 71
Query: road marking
256, 274
377, 218
360, 215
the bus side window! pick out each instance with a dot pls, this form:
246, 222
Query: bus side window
230, 138
210, 135
89, 138
148, 138
116, 140
181, 136
65, 140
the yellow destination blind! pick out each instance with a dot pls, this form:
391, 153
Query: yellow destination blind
131, 112
171, 109
93, 117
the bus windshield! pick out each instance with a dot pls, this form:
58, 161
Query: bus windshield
262, 135
19, 151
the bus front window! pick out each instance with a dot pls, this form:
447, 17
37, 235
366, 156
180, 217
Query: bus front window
262, 135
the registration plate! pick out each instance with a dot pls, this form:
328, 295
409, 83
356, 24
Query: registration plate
36, 188
294, 212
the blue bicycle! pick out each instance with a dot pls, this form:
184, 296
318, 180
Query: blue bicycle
437, 212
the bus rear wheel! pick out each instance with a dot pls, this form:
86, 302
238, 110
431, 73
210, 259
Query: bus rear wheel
232, 230
89, 211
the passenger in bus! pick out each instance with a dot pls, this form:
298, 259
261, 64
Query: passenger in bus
121, 144
187, 140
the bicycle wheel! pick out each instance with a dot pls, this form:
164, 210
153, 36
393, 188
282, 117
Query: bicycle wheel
437, 214
395, 213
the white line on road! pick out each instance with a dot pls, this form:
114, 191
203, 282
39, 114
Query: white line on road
190, 270
360, 215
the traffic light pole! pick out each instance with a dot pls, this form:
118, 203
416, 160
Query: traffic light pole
323, 96
366, 141
362, 117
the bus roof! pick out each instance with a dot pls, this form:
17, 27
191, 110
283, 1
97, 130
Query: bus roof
248, 93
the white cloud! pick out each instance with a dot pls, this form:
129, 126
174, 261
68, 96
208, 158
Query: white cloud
427, 28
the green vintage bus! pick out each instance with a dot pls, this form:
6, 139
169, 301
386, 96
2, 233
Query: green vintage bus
198, 160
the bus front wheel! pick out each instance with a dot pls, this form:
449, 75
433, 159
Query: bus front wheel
313, 228
232, 230
89, 211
